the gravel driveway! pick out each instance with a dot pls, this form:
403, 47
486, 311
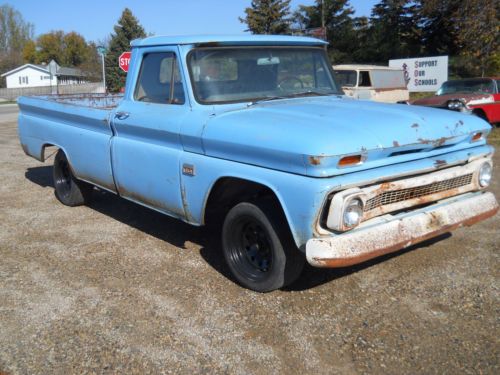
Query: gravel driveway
117, 288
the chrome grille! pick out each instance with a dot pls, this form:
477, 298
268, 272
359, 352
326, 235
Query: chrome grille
390, 197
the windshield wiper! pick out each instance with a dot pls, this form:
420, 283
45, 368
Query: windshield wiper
292, 95
266, 99
308, 93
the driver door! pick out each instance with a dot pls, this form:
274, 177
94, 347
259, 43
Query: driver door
146, 148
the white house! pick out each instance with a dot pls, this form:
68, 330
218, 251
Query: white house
31, 75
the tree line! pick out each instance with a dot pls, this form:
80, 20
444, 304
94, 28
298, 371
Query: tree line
466, 30
18, 46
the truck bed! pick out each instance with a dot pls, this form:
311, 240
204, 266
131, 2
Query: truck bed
78, 124
100, 101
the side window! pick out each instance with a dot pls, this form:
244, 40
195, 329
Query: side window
364, 79
159, 80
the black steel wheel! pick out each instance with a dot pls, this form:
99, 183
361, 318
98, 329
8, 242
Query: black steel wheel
258, 247
69, 190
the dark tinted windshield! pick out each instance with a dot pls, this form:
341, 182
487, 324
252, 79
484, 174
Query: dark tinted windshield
244, 74
468, 86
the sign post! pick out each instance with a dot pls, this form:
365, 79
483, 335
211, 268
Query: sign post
123, 61
102, 51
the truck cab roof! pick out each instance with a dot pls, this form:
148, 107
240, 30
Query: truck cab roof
228, 40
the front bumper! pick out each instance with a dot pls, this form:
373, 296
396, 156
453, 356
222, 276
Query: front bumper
391, 233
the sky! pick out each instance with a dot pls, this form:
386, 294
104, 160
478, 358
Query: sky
94, 19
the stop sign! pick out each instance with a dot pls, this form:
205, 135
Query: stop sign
123, 61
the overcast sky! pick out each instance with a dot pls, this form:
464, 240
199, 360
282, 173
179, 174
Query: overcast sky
94, 19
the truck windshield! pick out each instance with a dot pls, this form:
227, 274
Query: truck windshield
346, 78
482, 86
247, 74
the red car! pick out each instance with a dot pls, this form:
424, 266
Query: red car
480, 96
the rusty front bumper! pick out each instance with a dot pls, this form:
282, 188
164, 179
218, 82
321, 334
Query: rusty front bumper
392, 233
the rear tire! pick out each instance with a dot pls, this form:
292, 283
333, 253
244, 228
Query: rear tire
258, 246
68, 189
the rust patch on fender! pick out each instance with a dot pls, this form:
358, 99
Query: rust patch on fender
435, 142
315, 160
189, 217
440, 163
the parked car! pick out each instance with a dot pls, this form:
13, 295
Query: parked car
372, 82
254, 131
479, 96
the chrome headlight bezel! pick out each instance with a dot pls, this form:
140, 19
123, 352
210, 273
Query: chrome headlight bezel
485, 174
338, 206
352, 214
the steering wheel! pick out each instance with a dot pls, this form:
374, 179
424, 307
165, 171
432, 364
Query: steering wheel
290, 79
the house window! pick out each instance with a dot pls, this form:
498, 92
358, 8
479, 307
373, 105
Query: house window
20, 80
27, 80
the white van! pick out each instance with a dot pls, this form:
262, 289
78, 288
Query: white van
372, 82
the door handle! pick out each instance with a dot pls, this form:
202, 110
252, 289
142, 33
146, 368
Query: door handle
121, 115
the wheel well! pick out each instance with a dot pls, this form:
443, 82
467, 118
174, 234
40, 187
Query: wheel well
44, 147
480, 113
229, 191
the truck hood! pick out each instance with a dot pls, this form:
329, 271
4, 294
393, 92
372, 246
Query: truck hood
308, 136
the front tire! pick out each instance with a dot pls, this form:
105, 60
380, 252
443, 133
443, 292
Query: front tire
68, 189
258, 247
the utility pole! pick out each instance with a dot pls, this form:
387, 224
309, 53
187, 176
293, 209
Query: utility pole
323, 29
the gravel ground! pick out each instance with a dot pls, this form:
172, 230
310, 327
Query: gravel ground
116, 288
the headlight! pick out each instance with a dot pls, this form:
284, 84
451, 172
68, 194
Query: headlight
484, 175
455, 105
353, 213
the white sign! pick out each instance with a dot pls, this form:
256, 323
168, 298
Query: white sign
423, 73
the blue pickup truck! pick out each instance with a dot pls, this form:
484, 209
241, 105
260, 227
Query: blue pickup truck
253, 133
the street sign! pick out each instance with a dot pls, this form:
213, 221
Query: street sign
123, 61
101, 50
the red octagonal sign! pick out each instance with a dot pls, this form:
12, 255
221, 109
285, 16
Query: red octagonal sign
124, 60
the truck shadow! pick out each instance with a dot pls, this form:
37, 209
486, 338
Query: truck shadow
178, 233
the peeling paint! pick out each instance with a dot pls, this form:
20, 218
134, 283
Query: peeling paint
185, 204
439, 163
435, 142
315, 160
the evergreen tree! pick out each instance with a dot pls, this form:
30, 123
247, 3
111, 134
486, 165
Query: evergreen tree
337, 18
127, 29
438, 25
467, 31
268, 17
395, 29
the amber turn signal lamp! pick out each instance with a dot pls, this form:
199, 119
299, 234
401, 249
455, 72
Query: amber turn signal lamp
347, 161
477, 136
